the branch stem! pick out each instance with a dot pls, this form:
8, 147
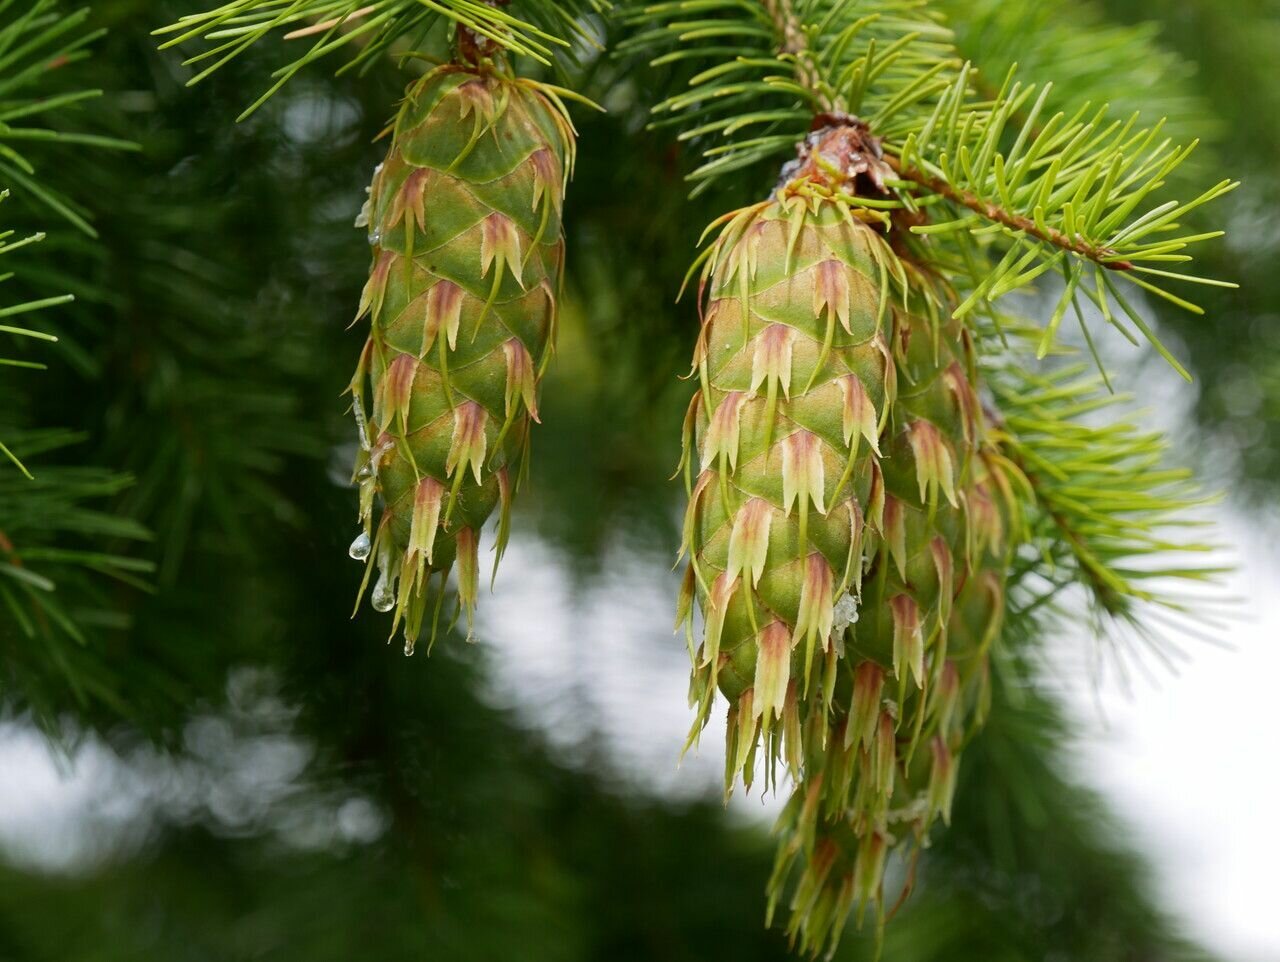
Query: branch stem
993, 212
796, 45
472, 47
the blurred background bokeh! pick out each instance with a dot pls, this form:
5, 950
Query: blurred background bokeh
202, 757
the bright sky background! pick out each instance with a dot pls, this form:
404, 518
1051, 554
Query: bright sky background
1193, 768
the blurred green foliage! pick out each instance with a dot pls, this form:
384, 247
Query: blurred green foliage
199, 371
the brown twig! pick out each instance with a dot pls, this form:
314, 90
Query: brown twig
474, 48
1050, 235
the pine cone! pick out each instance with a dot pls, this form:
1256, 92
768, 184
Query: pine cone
464, 220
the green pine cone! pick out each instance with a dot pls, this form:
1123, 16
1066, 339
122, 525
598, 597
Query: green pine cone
464, 219
796, 378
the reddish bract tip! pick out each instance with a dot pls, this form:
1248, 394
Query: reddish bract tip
469, 441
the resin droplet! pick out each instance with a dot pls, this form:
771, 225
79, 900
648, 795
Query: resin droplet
379, 451
362, 423
361, 547
366, 212
844, 614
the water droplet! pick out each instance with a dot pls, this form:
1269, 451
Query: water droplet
408, 647
365, 472
361, 547
375, 237
384, 596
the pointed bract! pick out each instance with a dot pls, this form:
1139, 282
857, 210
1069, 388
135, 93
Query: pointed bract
817, 607
428, 498
722, 590
469, 441
942, 781
749, 540
500, 241
803, 473
934, 464
773, 669
886, 756
868, 872
868, 683
411, 201
546, 177
375, 289
908, 639
859, 414
771, 359
397, 387
443, 313
476, 96
723, 435
521, 381
946, 697
831, 291
468, 575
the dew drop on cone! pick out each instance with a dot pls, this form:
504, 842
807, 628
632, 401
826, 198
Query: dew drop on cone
361, 546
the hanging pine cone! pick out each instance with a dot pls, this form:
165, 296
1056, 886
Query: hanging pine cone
781, 446
848, 527
803, 350
464, 219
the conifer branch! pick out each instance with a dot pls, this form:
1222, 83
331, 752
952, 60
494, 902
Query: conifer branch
1089, 58
57, 573
546, 31
1024, 192
1110, 501
37, 42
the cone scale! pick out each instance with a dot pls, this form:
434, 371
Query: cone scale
464, 223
